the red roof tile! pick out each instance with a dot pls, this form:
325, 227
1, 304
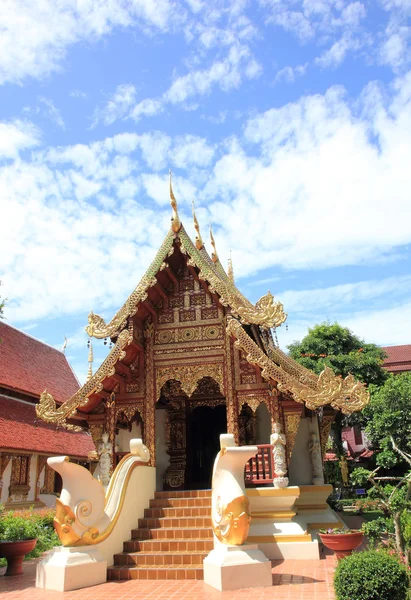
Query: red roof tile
30, 366
398, 358
20, 431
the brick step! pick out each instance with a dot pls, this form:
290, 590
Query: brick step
169, 522
159, 559
192, 511
184, 494
180, 502
154, 572
165, 533
174, 545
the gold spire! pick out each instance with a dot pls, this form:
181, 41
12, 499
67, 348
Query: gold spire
230, 271
175, 219
214, 254
199, 241
90, 361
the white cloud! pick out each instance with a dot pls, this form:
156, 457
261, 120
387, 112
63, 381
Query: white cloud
16, 136
36, 35
147, 108
118, 105
52, 111
227, 73
342, 297
78, 94
316, 183
289, 74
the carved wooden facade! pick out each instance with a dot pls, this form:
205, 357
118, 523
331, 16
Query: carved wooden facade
186, 339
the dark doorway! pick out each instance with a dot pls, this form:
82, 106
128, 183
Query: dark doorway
203, 442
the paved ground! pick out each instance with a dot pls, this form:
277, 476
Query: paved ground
292, 580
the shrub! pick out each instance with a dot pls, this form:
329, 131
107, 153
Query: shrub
371, 575
30, 523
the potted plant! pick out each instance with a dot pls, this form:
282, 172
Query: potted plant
18, 537
341, 541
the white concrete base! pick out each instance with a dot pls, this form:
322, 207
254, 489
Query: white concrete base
295, 550
66, 569
237, 567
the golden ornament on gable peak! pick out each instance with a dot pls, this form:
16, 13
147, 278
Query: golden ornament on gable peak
175, 219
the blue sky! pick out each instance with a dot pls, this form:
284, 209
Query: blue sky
287, 121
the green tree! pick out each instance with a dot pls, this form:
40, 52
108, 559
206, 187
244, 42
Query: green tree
337, 347
388, 418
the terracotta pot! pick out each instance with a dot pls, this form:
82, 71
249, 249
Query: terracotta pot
342, 544
14, 553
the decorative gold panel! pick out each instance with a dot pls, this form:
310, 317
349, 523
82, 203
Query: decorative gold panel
347, 394
189, 376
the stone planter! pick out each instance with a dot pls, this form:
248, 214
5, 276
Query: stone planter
14, 553
342, 544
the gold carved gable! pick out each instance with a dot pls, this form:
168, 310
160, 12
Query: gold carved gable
189, 376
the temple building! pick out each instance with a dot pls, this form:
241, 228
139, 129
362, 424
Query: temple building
27, 368
192, 358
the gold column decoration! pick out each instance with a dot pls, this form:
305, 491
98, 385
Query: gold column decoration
325, 428
292, 421
230, 394
49, 476
41, 463
274, 408
96, 432
110, 427
150, 399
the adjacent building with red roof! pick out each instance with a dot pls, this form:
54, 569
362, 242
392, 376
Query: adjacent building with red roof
398, 358
28, 367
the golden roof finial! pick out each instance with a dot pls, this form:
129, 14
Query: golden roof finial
199, 241
90, 361
230, 271
175, 219
214, 254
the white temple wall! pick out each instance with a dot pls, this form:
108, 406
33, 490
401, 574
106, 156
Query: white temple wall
124, 436
6, 483
162, 458
300, 472
263, 424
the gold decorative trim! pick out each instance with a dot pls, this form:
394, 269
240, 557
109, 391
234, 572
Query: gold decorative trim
347, 395
293, 491
286, 515
231, 522
98, 328
47, 409
334, 525
189, 376
266, 312
65, 518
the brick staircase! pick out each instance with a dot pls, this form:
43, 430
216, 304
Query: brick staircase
171, 541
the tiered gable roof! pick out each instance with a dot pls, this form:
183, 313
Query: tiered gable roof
398, 358
21, 431
305, 386
30, 366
